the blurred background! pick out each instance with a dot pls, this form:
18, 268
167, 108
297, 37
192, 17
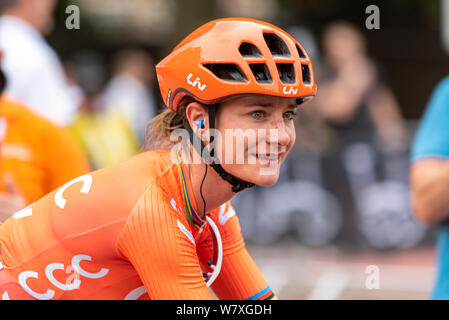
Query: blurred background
340, 212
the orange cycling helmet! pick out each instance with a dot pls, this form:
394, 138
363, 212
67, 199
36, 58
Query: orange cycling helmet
232, 56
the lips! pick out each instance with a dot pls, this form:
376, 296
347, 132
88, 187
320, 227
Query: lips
269, 159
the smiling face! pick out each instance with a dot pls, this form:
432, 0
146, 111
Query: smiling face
257, 132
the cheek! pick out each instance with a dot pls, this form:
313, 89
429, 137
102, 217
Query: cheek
236, 131
230, 143
292, 135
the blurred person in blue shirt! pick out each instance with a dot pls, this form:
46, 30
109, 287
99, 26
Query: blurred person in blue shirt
430, 178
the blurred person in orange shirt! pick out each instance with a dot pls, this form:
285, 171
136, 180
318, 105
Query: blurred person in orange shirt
36, 156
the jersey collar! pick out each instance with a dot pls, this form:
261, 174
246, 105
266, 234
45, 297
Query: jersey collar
189, 200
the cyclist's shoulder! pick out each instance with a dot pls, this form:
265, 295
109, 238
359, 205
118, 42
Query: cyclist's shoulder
97, 198
114, 189
222, 213
151, 172
142, 166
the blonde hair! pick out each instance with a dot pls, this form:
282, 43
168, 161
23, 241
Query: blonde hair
160, 128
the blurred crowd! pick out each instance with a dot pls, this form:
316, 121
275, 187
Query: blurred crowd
347, 179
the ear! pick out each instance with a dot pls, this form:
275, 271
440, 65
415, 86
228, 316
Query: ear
197, 112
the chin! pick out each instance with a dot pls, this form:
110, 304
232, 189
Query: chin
266, 180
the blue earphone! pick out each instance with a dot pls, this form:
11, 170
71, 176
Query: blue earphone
200, 123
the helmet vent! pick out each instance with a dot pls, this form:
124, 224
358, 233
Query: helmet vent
228, 72
249, 50
261, 73
305, 74
286, 72
300, 52
276, 45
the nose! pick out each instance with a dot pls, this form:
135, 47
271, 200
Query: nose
278, 133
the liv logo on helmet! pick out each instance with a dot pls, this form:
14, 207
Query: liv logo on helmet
195, 83
289, 91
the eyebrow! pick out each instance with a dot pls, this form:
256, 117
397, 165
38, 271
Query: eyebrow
267, 105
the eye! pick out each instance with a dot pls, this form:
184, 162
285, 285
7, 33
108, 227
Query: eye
290, 115
257, 114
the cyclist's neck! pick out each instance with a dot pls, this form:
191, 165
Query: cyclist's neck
216, 191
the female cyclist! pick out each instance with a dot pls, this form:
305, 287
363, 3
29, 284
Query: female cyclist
157, 224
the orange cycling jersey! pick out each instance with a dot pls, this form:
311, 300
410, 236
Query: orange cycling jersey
128, 231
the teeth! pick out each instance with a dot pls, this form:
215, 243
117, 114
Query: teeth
272, 158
